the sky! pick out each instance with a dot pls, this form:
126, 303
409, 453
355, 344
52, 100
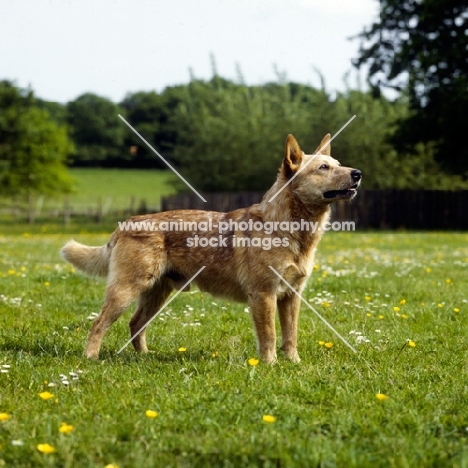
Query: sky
64, 48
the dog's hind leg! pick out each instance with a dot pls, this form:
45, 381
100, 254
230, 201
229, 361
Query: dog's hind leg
118, 298
148, 306
130, 274
288, 310
263, 308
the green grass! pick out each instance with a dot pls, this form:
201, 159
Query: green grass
116, 191
118, 186
210, 401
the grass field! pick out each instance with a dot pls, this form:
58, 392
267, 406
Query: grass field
114, 190
118, 186
399, 298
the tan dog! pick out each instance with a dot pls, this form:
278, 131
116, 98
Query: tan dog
146, 260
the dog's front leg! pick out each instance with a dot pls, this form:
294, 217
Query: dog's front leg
263, 308
288, 309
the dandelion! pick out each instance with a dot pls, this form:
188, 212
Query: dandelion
456, 309
46, 448
46, 283
65, 428
381, 317
11, 272
111, 465
151, 414
326, 304
411, 343
381, 397
448, 280
4, 416
367, 298
404, 316
46, 395
253, 362
182, 350
369, 315
268, 418
321, 343
215, 354
396, 309
329, 345
440, 305
402, 302
428, 270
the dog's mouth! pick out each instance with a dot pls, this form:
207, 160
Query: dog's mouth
346, 194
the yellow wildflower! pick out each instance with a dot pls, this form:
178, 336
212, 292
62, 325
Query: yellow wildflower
65, 428
46, 395
253, 362
269, 419
381, 397
151, 414
182, 350
46, 448
4, 416
329, 345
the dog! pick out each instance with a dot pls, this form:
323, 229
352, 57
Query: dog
242, 263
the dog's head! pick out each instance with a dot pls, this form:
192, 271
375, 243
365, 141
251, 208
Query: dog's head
318, 178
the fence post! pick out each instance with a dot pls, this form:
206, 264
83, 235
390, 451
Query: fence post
99, 210
31, 209
67, 211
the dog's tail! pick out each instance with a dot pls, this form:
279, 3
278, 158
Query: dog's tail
94, 261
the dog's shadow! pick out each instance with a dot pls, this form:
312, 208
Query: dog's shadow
37, 349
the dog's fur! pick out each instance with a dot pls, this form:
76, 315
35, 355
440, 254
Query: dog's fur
148, 265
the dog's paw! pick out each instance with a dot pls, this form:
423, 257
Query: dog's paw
92, 356
292, 355
269, 357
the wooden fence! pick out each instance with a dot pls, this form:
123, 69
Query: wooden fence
371, 209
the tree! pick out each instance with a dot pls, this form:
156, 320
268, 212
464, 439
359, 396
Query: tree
148, 114
230, 137
33, 148
96, 130
420, 47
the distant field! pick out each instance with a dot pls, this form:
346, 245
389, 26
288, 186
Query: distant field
118, 186
113, 189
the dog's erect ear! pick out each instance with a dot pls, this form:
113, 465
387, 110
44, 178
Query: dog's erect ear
292, 156
324, 147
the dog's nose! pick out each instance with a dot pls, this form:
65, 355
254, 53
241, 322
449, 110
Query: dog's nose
356, 174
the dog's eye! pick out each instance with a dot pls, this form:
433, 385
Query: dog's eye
324, 166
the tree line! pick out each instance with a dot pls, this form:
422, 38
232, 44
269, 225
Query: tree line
224, 135
221, 135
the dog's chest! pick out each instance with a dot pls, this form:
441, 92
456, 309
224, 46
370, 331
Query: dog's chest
296, 274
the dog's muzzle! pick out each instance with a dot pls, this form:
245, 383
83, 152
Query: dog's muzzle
349, 193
